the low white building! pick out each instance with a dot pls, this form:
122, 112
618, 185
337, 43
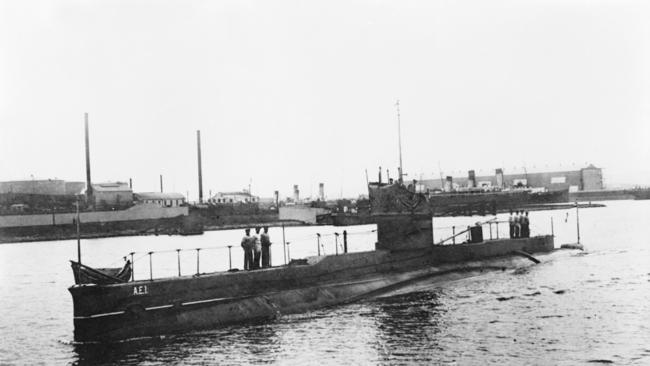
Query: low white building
233, 197
301, 213
161, 199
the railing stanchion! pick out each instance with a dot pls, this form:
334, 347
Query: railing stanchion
197, 260
229, 256
150, 267
132, 267
552, 231
453, 233
497, 230
433, 229
345, 241
288, 252
490, 230
178, 258
284, 246
336, 242
318, 243
577, 222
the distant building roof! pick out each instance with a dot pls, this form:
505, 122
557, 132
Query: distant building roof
111, 187
159, 196
241, 193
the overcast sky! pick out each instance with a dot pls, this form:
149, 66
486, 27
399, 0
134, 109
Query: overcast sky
297, 92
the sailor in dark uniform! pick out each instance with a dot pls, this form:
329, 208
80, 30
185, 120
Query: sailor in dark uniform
266, 247
525, 226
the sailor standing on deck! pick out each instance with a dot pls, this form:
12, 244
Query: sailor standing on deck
266, 246
517, 224
257, 249
247, 244
511, 221
525, 226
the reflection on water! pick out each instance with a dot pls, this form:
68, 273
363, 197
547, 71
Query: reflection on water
243, 344
409, 326
574, 308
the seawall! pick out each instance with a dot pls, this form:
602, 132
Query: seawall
138, 212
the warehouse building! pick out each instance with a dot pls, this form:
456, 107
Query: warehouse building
160, 199
112, 195
50, 187
585, 179
233, 197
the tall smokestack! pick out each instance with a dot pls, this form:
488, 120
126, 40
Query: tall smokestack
198, 148
499, 178
449, 184
130, 183
276, 195
296, 193
89, 187
161, 184
471, 179
321, 191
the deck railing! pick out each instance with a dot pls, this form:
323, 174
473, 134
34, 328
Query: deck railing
340, 241
134, 258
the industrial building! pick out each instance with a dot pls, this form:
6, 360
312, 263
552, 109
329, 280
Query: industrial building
160, 199
233, 197
115, 194
50, 187
585, 179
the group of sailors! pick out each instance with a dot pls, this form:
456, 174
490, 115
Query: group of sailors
256, 249
519, 224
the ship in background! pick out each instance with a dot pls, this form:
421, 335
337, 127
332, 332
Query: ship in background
397, 197
467, 197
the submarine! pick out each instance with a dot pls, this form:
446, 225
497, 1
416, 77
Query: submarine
109, 305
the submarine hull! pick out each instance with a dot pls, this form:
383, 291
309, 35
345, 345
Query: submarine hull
188, 303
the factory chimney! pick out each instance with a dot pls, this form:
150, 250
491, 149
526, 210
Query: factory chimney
296, 193
198, 151
499, 178
321, 191
276, 195
130, 183
161, 184
471, 179
449, 184
89, 187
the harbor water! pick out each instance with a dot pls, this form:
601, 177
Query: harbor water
576, 307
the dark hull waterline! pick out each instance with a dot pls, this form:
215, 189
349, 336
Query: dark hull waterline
172, 305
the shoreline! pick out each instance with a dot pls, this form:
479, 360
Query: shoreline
134, 232
170, 229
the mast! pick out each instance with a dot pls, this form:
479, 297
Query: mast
577, 222
399, 141
89, 187
198, 148
78, 235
